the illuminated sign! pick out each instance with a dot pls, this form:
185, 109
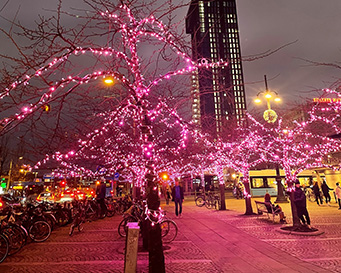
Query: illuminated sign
330, 100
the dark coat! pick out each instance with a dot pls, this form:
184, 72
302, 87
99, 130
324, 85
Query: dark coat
101, 191
316, 189
300, 199
181, 193
325, 188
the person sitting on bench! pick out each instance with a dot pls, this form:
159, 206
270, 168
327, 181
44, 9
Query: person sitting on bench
276, 208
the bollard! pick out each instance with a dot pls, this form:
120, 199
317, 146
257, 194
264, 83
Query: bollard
130, 258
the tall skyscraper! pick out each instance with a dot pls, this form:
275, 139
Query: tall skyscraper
218, 92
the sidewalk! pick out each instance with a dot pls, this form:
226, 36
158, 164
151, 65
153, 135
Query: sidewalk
208, 241
225, 248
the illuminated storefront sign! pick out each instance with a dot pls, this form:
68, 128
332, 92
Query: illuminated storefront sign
331, 100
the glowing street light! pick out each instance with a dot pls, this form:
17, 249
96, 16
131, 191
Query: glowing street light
108, 81
269, 115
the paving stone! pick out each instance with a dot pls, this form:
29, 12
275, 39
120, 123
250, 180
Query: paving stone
207, 241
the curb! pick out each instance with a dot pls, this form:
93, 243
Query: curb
315, 232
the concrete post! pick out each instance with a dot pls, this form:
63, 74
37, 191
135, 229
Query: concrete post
130, 258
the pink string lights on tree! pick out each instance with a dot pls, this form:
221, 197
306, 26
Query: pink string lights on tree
132, 32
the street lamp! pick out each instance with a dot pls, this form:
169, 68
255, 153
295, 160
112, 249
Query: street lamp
270, 116
108, 81
10, 173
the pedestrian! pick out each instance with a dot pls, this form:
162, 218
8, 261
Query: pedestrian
178, 198
316, 190
325, 190
100, 196
167, 193
301, 204
338, 194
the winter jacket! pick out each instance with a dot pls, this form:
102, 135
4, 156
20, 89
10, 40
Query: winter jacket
338, 192
101, 191
300, 199
181, 193
325, 188
316, 189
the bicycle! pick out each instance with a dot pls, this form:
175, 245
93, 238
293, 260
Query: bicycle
212, 201
4, 247
79, 218
309, 193
200, 200
135, 213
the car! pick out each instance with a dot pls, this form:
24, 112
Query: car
79, 194
46, 196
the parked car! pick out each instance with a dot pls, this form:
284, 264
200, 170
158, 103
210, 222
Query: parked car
65, 196
46, 196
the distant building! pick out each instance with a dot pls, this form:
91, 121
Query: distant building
218, 93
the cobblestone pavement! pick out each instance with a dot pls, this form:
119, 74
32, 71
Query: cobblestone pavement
323, 250
208, 241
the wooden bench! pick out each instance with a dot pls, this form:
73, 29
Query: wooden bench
263, 207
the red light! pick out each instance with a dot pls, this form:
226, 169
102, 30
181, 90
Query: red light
1, 204
72, 194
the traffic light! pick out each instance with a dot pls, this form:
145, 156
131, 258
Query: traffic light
63, 183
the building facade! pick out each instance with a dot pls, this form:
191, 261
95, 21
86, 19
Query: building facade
218, 92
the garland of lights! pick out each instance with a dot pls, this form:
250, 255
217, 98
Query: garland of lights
294, 148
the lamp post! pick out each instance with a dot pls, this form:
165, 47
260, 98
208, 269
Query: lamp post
270, 116
10, 173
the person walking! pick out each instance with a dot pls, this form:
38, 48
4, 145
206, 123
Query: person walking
301, 204
325, 190
178, 197
316, 190
100, 196
338, 194
167, 193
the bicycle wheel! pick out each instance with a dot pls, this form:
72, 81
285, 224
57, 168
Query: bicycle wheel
4, 247
209, 203
23, 231
61, 218
199, 201
39, 231
169, 231
110, 210
122, 227
15, 239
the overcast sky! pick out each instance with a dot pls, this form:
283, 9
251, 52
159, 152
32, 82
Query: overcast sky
264, 25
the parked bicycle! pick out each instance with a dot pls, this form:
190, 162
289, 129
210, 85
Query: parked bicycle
138, 212
209, 200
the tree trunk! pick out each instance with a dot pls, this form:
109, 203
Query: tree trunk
295, 220
155, 248
280, 195
247, 196
222, 197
